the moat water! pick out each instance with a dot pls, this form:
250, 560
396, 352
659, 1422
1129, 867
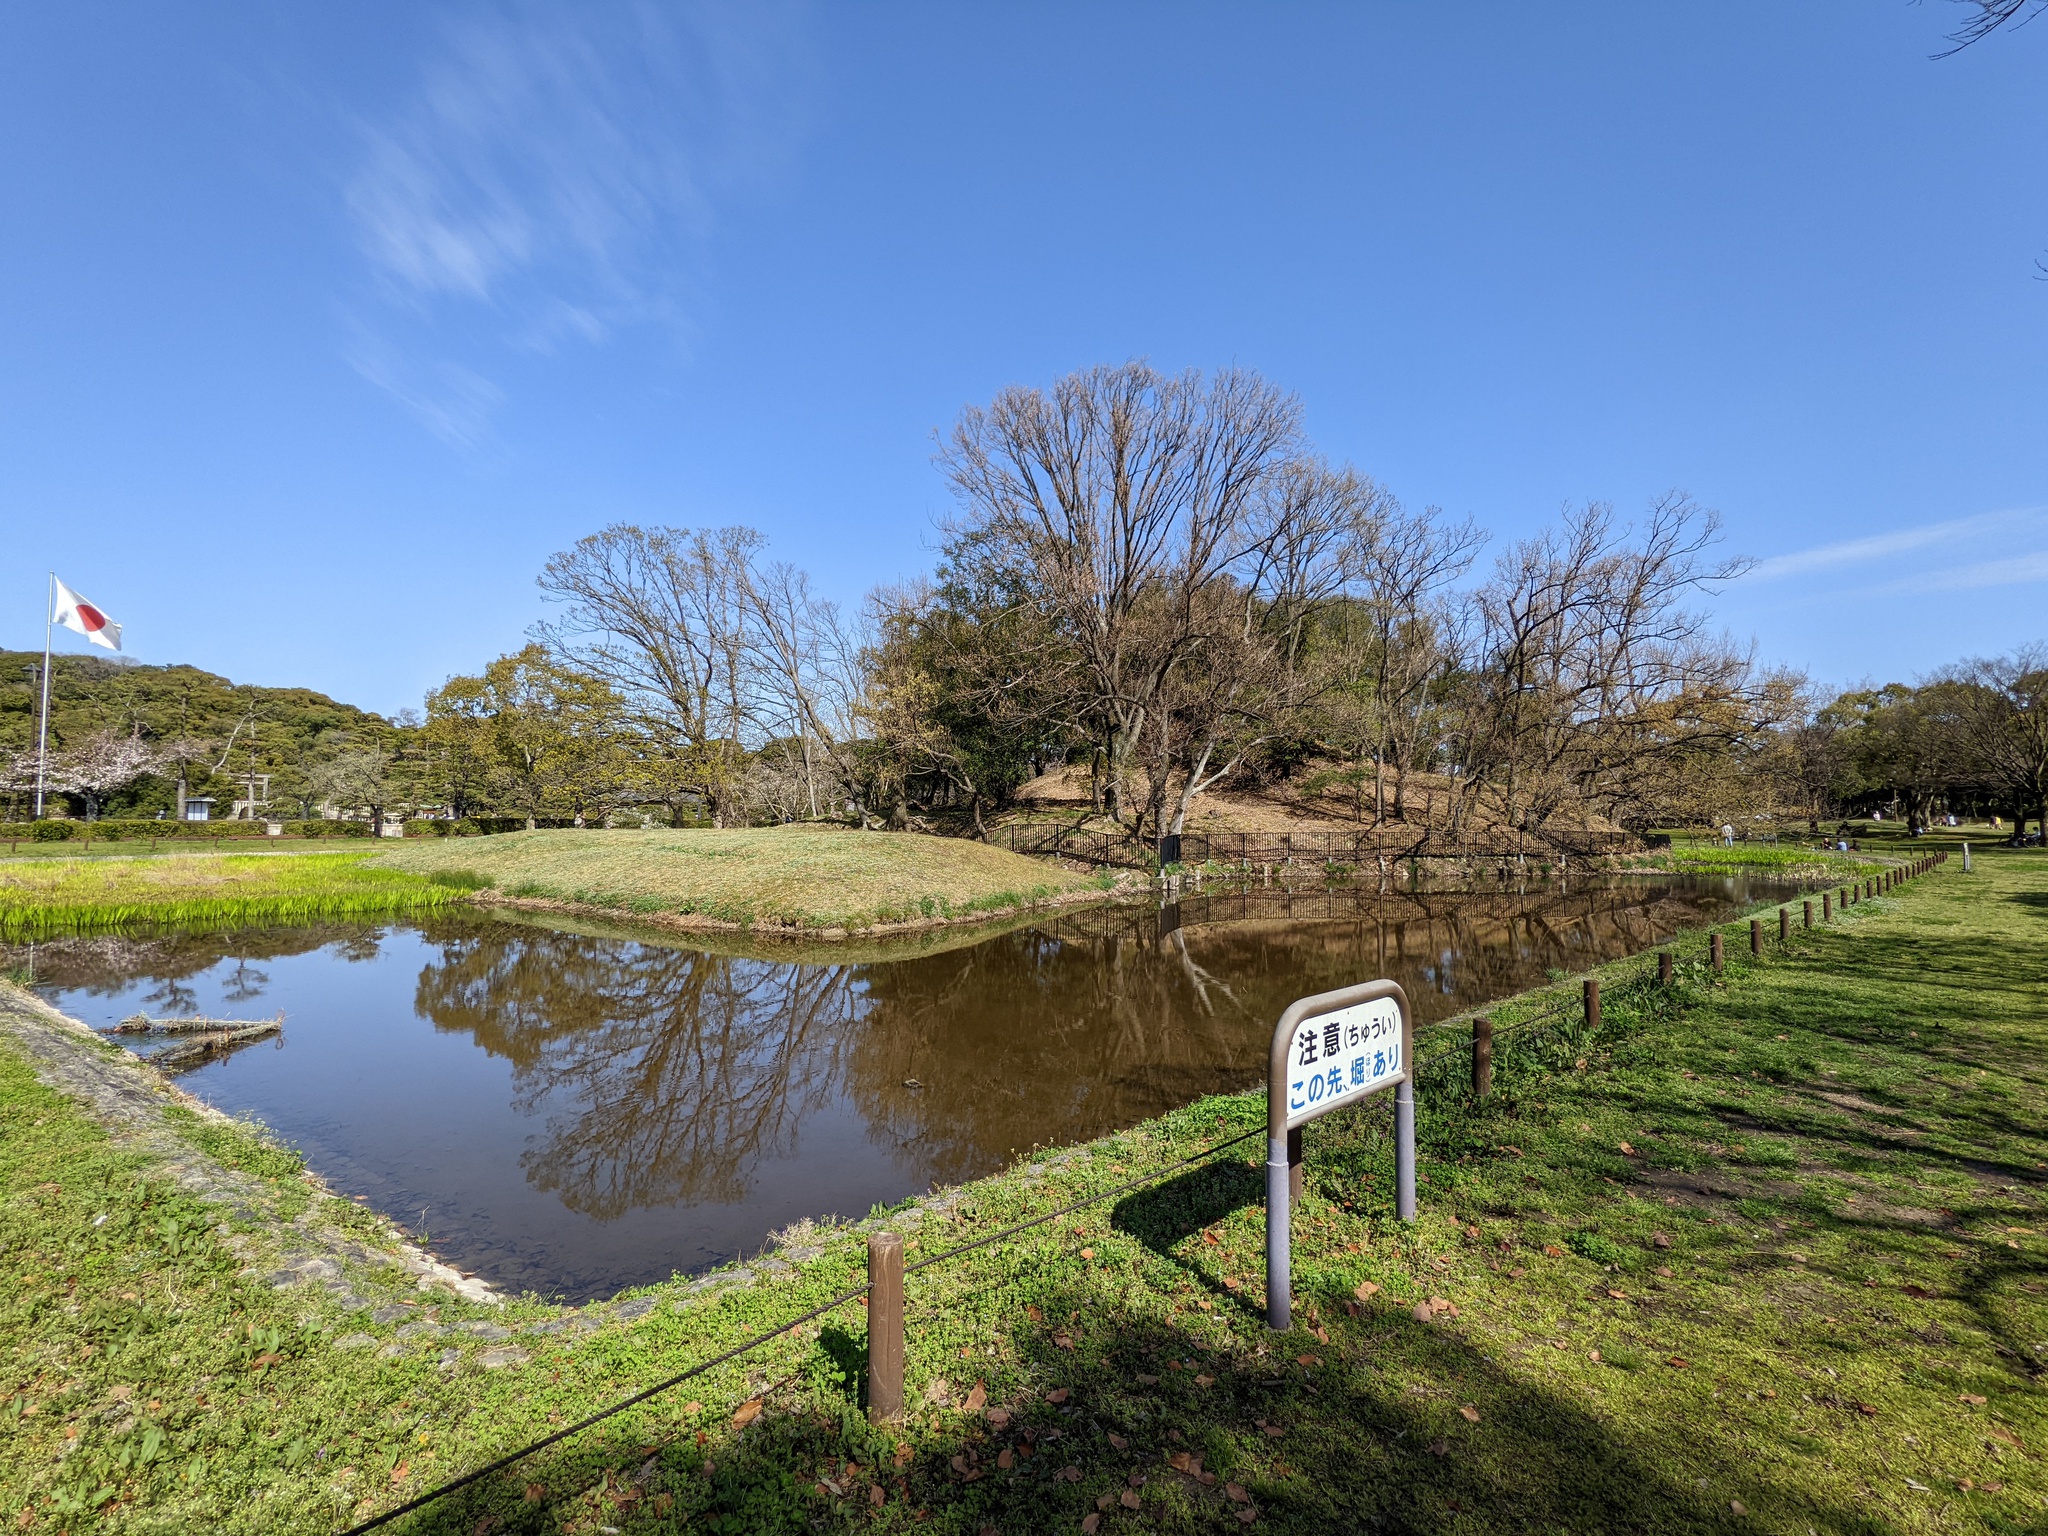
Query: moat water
571, 1112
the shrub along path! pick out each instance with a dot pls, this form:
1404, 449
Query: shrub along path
1767, 1254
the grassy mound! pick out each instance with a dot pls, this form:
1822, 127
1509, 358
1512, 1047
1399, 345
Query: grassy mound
786, 877
41, 897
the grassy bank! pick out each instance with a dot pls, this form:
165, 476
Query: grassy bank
1767, 1254
812, 878
44, 897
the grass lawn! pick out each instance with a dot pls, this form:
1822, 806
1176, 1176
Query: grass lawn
1765, 1255
39, 897
802, 877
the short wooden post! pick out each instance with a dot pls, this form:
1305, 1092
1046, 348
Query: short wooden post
1785, 924
1809, 914
1664, 967
1482, 1057
1592, 1006
1714, 946
885, 1328
1827, 911
1756, 937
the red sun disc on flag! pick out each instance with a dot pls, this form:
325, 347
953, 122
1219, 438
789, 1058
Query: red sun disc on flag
91, 617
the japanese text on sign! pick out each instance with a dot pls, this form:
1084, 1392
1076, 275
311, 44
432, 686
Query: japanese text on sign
1343, 1055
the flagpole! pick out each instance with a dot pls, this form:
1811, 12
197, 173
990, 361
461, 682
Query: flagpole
43, 725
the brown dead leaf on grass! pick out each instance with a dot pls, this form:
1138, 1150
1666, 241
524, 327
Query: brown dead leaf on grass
1470, 1413
975, 1398
746, 1413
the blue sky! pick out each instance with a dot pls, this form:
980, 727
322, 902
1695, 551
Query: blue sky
321, 327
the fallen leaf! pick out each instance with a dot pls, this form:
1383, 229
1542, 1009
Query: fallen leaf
1516, 1274
746, 1413
1424, 1312
1128, 1498
1308, 1360
1087, 1253
1236, 1494
1211, 1237
1105, 1501
1056, 1395
1247, 1516
999, 1417
1205, 1381
1064, 1340
1089, 1524
1592, 1354
876, 1496
1735, 1507
1181, 1461
1627, 1150
1680, 1363
1660, 1239
402, 1471
1119, 1442
1147, 1381
2000, 1432
1920, 1291
693, 1407
1231, 1282
976, 1398
1663, 1271
1617, 1295
1006, 1458
1439, 1447
1471, 1414
1551, 1250
1992, 1487
1034, 1313
535, 1492
1974, 1400
1274, 1431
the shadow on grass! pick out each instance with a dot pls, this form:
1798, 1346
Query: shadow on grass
1373, 1440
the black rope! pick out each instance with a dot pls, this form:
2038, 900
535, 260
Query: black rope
775, 1333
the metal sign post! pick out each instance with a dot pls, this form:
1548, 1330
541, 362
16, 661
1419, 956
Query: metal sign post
1331, 1051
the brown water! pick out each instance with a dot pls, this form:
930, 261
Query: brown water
573, 1112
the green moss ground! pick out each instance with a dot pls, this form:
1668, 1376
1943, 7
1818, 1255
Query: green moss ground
1843, 1149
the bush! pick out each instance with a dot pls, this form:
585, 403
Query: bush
50, 831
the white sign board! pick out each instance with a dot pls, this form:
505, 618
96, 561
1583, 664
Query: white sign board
1335, 1058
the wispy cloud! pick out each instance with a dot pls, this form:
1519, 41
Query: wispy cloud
553, 177
1953, 533
2016, 571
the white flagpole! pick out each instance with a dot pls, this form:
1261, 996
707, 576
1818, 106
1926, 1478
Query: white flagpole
43, 727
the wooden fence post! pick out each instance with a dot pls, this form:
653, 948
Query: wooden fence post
1664, 967
1715, 947
1784, 924
1756, 937
1482, 1057
1592, 1005
1809, 914
885, 1327
1827, 911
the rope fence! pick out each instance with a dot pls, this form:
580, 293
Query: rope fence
1571, 1021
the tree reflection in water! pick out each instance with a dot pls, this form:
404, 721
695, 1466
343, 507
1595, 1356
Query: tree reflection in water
665, 1075
668, 1104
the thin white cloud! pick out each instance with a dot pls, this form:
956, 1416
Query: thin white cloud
2017, 571
1953, 532
552, 178
449, 400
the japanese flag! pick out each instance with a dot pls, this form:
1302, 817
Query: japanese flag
74, 612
